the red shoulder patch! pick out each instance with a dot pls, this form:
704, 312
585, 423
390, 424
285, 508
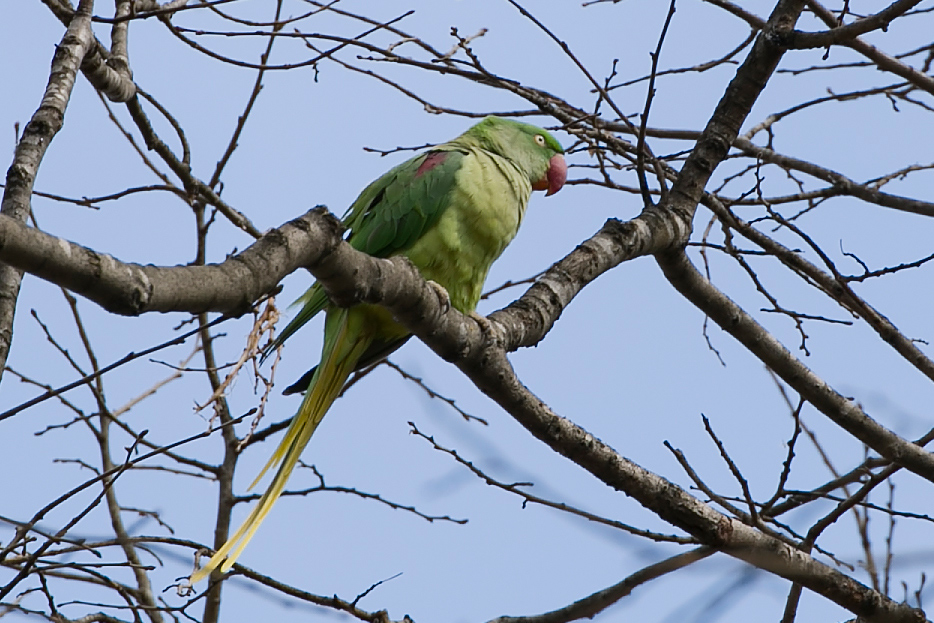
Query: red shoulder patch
432, 160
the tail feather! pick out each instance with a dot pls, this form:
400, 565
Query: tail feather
312, 302
340, 357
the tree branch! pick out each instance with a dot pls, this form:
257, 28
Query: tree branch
844, 34
37, 135
117, 85
590, 606
844, 412
132, 289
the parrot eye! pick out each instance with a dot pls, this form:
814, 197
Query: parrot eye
540, 140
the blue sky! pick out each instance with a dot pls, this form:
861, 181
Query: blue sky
627, 360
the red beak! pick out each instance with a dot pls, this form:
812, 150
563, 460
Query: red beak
555, 176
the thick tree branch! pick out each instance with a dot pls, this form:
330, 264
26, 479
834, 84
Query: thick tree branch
877, 56
315, 241
728, 117
131, 289
844, 34
874, 54
844, 412
833, 285
528, 319
37, 135
352, 277
116, 83
711, 149
491, 372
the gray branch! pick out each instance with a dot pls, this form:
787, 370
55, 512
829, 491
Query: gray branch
114, 82
842, 411
593, 604
131, 289
315, 241
38, 133
844, 34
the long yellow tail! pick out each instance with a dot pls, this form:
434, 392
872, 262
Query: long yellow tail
343, 346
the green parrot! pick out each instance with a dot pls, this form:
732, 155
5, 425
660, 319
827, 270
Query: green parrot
451, 210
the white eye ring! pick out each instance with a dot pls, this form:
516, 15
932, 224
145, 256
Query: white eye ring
540, 140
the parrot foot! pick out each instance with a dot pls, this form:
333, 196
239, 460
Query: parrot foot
443, 297
486, 327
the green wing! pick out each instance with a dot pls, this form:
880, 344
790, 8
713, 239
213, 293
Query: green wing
395, 210
386, 219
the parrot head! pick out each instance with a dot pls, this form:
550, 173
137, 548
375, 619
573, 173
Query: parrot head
532, 149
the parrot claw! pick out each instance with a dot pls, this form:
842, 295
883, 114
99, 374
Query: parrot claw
486, 327
443, 297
